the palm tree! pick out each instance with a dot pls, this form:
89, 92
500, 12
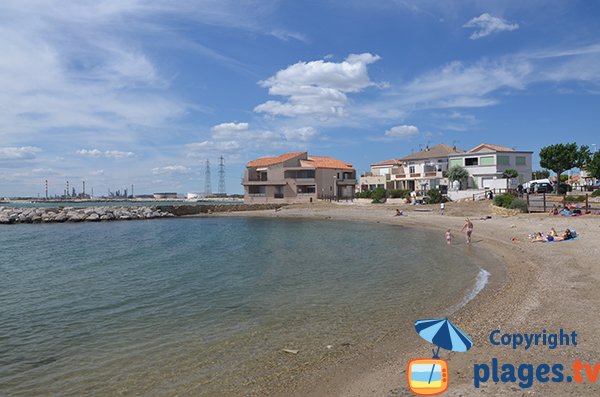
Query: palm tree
509, 174
457, 173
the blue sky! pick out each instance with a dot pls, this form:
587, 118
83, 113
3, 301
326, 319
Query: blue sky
144, 92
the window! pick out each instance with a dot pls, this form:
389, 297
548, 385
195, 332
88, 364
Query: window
300, 174
306, 189
454, 162
503, 160
469, 161
487, 160
256, 190
521, 160
411, 169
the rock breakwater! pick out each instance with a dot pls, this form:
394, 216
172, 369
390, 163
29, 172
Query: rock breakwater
12, 215
9, 215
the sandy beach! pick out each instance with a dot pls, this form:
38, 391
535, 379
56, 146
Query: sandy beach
541, 286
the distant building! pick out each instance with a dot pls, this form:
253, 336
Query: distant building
418, 171
487, 162
165, 195
298, 177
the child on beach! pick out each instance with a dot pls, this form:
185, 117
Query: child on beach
442, 208
449, 237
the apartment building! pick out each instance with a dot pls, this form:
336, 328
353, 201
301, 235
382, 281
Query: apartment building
418, 171
296, 178
486, 164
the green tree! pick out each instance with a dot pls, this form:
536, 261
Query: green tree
593, 166
542, 174
509, 174
563, 157
457, 173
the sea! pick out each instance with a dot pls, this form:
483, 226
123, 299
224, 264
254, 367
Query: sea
206, 306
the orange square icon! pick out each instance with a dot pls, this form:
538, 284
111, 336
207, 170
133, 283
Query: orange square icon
427, 376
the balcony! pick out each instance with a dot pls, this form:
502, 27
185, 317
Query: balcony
415, 175
251, 182
305, 181
278, 195
346, 181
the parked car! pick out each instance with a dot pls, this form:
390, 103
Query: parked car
529, 187
542, 187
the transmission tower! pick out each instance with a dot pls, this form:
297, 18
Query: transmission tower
222, 176
207, 187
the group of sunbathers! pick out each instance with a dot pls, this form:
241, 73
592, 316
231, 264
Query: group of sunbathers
566, 211
553, 236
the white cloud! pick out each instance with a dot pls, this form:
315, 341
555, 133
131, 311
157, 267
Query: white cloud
488, 24
97, 173
114, 154
90, 152
302, 134
317, 88
18, 153
285, 35
171, 169
402, 131
229, 130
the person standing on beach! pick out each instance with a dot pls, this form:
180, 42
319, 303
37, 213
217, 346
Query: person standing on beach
469, 229
449, 237
442, 208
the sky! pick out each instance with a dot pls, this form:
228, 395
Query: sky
118, 92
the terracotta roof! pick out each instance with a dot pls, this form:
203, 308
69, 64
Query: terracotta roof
388, 162
491, 148
326, 162
441, 150
267, 161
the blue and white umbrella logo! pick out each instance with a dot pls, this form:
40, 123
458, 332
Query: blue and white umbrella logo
442, 333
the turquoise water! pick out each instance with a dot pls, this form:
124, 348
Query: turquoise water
111, 203
203, 306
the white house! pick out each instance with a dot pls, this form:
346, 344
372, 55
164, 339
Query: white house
486, 164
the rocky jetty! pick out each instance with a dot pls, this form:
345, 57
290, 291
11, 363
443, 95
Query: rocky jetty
9, 215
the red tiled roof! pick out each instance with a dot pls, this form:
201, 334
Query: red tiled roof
493, 148
267, 161
388, 162
326, 162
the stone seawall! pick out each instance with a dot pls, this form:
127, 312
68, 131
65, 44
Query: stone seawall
11, 215
187, 210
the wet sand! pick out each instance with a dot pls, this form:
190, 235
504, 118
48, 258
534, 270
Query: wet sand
543, 286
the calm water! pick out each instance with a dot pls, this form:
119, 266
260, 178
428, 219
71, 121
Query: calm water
111, 203
204, 306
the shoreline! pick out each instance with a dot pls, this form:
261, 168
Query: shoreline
513, 300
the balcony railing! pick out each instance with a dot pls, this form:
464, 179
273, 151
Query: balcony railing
254, 178
278, 195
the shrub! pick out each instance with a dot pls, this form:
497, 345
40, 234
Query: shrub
575, 199
377, 195
399, 193
365, 194
434, 196
503, 200
519, 204
596, 193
